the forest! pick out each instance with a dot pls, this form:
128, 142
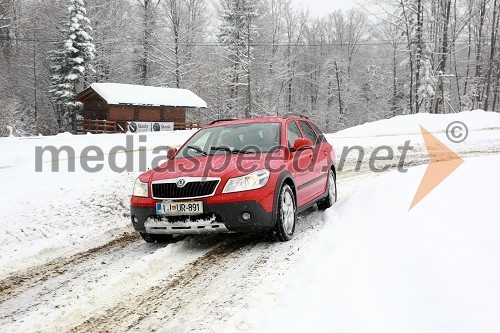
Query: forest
250, 58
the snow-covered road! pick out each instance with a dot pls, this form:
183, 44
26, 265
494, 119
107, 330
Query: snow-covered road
194, 284
114, 282
204, 284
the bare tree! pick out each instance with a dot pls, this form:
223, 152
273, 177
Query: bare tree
493, 49
444, 10
477, 90
295, 24
236, 33
148, 25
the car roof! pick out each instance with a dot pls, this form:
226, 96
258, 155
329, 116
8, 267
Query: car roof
270, 119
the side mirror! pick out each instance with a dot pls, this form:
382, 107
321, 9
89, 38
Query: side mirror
171, 153
301, 144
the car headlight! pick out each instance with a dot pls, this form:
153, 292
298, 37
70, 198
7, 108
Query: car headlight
140, 189
251, 181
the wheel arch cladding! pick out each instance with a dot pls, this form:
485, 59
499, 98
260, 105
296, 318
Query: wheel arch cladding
284, 178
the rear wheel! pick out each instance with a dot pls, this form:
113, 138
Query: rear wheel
285, 225
332, 192
154, 238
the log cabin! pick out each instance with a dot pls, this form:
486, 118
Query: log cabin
109, 107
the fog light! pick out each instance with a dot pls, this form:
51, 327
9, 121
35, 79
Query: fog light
135, 220
246, 216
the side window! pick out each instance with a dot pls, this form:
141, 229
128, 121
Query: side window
320, 134
308, 131
293, 133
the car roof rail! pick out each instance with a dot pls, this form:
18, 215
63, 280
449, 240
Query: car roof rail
289, 115
220, 120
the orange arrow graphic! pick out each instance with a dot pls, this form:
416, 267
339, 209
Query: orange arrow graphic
442, 163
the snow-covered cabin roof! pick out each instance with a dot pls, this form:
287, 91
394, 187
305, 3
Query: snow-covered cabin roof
119, 93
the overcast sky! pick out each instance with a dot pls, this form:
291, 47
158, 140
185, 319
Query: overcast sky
322, 7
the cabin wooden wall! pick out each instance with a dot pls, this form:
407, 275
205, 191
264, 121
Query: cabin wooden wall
96, 108
147, 113
121, 112
175, 114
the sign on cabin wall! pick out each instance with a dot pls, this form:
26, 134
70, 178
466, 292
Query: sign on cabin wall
158, 127
140, 127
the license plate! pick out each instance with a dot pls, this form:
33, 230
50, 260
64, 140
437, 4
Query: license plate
180, 208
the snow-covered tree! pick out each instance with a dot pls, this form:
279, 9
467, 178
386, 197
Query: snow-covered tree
72, 63
110, 22
236, 33
184, 25
428, 80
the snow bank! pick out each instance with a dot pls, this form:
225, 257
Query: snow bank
44, 213
409, 124
378, 268
483, 136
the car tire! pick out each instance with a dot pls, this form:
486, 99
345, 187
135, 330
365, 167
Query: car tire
287, 215
152, 238
332, 192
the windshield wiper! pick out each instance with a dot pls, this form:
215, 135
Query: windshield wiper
224, 148
244, 151
232, 151
198, 150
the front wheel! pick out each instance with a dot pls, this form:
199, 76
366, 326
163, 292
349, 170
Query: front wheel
332, 192
285, 225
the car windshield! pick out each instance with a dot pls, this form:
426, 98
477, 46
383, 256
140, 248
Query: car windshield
233, 139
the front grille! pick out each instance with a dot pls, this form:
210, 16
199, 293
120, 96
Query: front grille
190, 190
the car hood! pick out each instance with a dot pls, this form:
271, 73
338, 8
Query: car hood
223, 166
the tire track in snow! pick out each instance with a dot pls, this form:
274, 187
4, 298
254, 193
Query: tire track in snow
130, 312
235, 276
18, 282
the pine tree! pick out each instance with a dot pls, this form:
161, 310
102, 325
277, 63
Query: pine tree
72, 62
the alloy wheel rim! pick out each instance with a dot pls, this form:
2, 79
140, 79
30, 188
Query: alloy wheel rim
331, 189
287, 212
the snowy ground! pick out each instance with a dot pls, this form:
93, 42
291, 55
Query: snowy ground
48, 214
384, 269
69, 261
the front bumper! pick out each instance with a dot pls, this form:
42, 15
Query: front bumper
217, 217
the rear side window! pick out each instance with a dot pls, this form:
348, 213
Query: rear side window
308, 131
293, 133
320, 134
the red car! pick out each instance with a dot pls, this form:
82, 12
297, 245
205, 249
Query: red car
237, 175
